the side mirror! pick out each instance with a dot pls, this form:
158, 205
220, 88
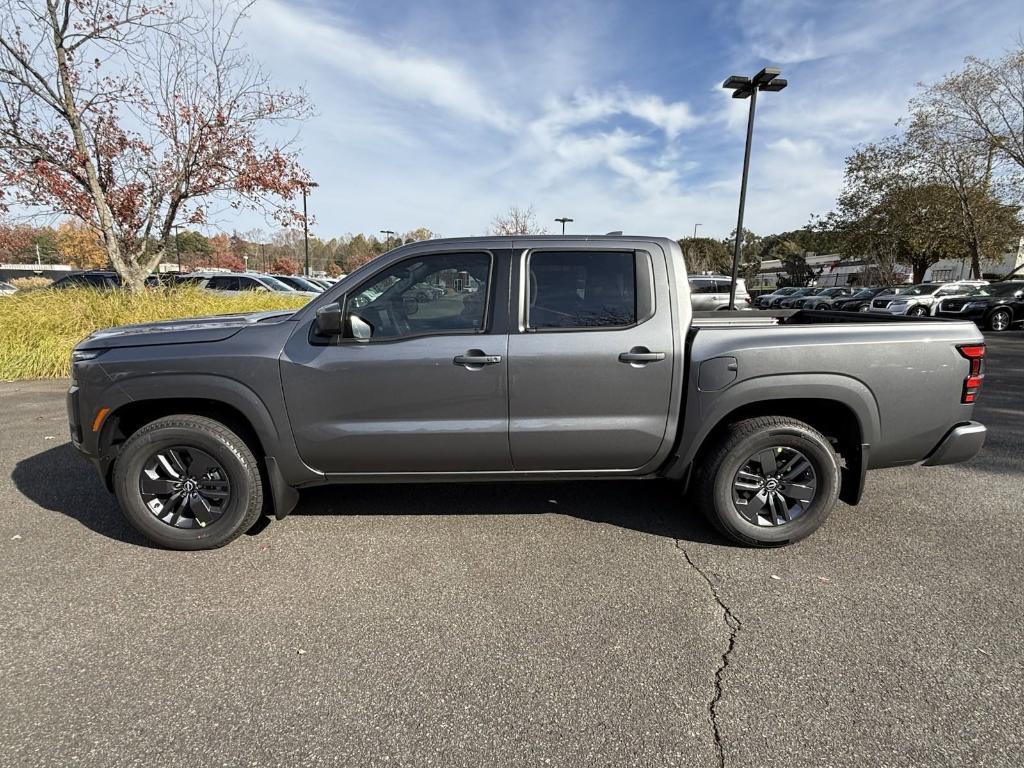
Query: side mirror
359, 329
328, 320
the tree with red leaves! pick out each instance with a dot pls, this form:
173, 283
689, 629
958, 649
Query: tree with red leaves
132, 118
282, 265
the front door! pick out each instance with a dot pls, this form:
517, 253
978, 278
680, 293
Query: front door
427, 392
590, 372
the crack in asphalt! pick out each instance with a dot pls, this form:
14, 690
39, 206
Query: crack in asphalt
734, 625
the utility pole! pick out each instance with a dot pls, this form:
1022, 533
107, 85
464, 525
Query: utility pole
305, 222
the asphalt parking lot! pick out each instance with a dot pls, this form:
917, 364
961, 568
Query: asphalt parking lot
568, 624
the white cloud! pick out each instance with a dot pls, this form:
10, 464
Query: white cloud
406, 75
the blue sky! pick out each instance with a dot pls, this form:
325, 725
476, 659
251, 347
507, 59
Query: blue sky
442, 114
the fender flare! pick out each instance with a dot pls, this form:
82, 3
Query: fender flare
286, 469
706, 411
204, 386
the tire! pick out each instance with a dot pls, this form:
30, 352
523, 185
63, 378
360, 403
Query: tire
918, 312
237, 482
999, 320
722, 465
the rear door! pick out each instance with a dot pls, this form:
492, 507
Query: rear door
591, 362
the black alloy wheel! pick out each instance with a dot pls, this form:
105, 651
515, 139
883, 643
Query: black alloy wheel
774, 486
184, 487
918, 312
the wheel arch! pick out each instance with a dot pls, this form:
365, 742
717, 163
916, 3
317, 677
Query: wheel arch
842, 409
131, 416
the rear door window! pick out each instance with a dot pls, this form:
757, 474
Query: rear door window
573, 289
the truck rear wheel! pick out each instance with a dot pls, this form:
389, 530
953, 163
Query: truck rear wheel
188, 482
768, 481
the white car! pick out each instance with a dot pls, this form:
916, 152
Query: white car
711, 292
6, 289
921, 300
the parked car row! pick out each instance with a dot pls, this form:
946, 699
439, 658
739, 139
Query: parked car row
995, 307
215, 281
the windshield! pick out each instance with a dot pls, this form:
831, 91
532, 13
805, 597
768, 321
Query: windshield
274, 284
864, 293
999, 289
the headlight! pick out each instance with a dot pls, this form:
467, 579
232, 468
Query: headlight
81, 355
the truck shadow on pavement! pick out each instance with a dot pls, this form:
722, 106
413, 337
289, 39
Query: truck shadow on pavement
59, 480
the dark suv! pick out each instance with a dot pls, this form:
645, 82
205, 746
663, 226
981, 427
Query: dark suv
996, 307
860, 301
101, 279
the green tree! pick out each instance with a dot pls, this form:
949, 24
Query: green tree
705, 254
892, 213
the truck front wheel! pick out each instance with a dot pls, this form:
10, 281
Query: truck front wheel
188, 482
768, 481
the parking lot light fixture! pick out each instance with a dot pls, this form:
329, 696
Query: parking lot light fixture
563, 220
746, 88
388, 234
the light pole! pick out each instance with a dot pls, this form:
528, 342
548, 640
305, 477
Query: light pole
563, 220
305, 222
695, 230
746, 88
387, 236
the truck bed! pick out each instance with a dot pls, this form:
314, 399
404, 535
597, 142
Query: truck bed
758, 318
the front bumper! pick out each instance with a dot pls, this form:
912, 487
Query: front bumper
897, 309
961, 443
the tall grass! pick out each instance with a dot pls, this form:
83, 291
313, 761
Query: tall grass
38, 328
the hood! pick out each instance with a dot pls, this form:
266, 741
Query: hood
184, 331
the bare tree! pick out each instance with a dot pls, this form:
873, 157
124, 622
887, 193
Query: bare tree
984, 103
133, 117
985, 216
517, 221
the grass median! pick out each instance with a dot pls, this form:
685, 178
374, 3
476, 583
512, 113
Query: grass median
38, 328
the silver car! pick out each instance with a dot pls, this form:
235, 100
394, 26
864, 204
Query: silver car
232, 282
711, 292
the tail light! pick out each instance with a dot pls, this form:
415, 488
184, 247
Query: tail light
975, 354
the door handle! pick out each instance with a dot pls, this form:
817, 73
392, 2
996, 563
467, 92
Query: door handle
475, 357
641, 355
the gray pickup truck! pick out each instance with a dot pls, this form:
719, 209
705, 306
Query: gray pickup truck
528, 358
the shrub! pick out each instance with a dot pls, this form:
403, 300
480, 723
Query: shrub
38, 329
